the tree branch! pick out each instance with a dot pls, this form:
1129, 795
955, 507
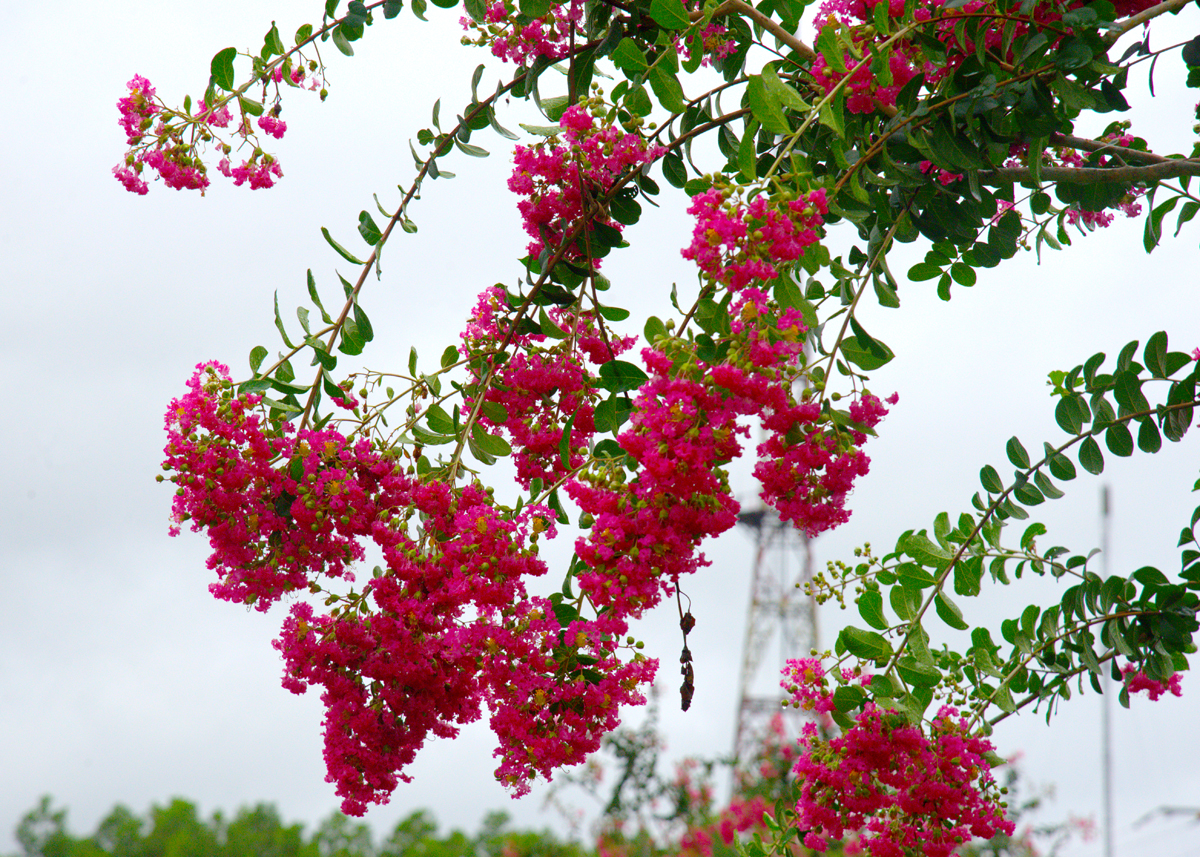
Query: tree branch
1166, 169
1125, 154
1142, 17
770, 25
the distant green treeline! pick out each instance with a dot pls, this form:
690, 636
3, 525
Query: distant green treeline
177, 830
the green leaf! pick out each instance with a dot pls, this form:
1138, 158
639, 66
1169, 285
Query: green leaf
1149, 440
628, 57
673, 170
564, 442
830, 47
1072, 412
921, 548
865, 645
905, 602
1060, 466
341, 42
497, 413
990, 480
949, 611
766, 106
1017, 454
670, 14
870, 356
304, 33
1090, 457
272, 43
470, 149
222, 68
918, 674
491, 444
963, 274
968, 574
870, 607
439, 420
780, 91
1118, 440
279, 323
341, 251
848, 697
667, 89
367, 229
924, 271
257, 355
1155, 355
450, 357
619, 376
1046, 486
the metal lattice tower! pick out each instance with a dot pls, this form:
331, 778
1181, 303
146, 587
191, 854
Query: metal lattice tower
779, 609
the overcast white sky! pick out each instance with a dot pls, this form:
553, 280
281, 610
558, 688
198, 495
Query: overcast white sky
121, 680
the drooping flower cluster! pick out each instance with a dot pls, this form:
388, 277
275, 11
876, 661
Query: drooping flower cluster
735, 243
448, 626
902, 791
1137, 681
517, 38
561, 179
172, 142
867, 86
807, 472
806, 467
544, 385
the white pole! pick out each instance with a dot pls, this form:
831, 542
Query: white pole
1106, 698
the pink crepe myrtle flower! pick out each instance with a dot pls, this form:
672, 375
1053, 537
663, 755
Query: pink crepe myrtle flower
513, 41
447, 629
136, 108
1137, 681
555, 177
895, 787
735, 243
272, 124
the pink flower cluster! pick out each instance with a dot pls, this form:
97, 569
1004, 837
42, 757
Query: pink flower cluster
517, 38
715, 42
806, 472
736, 243
259, 173
173, 161
557, 179
1137, 681
446, 629
865, 90
900, 790
545, 384
174, 155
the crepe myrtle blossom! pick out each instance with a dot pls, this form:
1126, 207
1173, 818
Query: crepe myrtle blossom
898, 788
515, 38
558, 178
735, 243
446, 630
1137, 681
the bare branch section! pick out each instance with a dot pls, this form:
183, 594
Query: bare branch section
1167, 169
1125, 154
739, 7
1142, 17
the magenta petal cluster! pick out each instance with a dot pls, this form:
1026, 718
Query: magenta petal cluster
449, 627
517, 38
1137, 681
899, 790
557, 177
